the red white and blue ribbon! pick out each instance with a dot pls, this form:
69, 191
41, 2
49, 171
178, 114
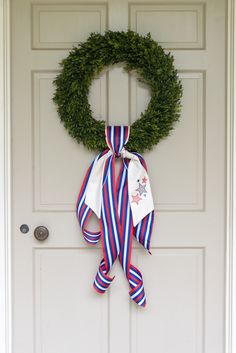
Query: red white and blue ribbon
124, 207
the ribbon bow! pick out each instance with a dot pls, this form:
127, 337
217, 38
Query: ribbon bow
124, 207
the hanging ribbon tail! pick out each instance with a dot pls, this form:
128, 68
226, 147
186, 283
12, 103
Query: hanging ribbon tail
140, 198
140, 194
83, 211
124, 206
93, 197
102, 280
137, 293
134, 276
143, 231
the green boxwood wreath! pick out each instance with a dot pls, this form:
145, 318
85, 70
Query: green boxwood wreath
139, 53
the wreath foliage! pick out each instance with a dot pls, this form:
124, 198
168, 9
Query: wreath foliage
138, 53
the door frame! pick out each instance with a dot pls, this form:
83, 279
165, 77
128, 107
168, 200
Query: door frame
230, 255
5, 181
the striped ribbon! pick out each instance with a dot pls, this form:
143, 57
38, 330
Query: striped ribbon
116, 223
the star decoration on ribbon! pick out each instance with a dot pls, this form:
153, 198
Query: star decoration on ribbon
136, 198
141, 189
144, 180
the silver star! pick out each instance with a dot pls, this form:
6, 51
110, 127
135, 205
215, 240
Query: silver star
141, 189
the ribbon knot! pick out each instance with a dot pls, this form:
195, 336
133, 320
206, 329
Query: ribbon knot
124, 207
116, 138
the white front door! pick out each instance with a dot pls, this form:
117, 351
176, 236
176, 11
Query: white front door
55, 309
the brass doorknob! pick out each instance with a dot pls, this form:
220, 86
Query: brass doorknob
41, 233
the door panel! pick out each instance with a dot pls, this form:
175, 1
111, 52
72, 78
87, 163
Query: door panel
66, 325
180, 275
55, 309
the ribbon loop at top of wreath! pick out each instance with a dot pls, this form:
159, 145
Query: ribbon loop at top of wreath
124, 207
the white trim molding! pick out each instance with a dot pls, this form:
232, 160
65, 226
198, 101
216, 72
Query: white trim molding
5, 161
230, 327
5, 182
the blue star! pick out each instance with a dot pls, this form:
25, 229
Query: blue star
141, 189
